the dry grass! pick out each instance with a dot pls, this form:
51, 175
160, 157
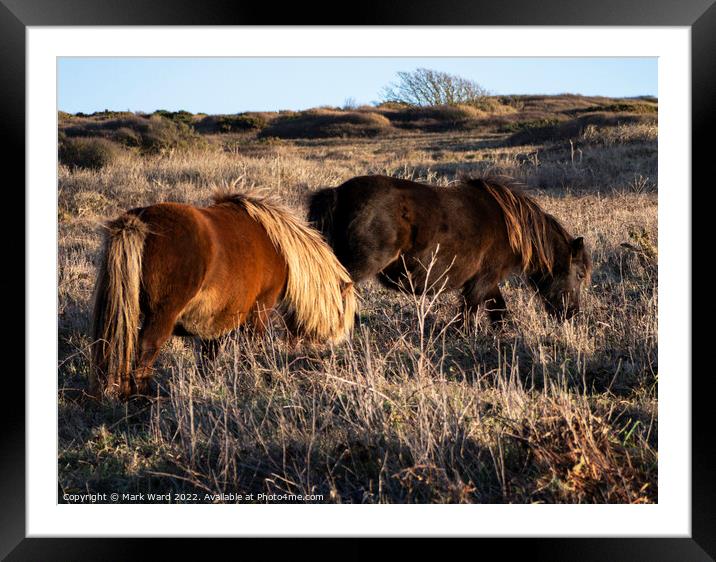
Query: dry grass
414, 408
560, 129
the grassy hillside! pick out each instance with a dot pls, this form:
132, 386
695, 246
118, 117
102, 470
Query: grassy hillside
415, 408
499, 114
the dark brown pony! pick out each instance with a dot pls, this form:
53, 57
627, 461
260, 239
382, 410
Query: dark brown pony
485, 231
177, 269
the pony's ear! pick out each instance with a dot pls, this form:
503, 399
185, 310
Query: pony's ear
577, 245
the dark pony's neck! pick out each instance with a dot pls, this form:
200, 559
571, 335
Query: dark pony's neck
536, 236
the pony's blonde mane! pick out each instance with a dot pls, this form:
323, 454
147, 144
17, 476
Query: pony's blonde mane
319, 296
528, 226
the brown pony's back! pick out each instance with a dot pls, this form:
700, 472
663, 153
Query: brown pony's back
476, 233
382, 221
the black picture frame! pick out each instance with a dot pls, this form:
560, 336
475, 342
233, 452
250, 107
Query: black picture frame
699, 15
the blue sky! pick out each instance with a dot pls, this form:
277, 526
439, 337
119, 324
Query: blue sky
232, 85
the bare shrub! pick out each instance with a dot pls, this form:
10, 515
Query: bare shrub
425, 87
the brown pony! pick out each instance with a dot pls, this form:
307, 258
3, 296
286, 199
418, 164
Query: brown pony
485, 231
177, 269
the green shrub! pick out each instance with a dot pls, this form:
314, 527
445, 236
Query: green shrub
162, 134
512, 101
392, 105
241, 122
106, 127
531, 125
180, 116
435, 118
127, 137
238, 123
106, 114
151, 134
325, 123
87, 153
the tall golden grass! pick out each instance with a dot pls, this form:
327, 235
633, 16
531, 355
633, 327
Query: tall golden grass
414, 408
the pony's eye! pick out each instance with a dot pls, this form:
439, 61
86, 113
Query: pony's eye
580, 275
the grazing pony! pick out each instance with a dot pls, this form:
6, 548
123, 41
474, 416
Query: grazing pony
174, 269
485, 230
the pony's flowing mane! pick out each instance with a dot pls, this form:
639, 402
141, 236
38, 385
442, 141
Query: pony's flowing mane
528, 227
319, 292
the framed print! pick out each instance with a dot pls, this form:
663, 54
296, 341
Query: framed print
417, 277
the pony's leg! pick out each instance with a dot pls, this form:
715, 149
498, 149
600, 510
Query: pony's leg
157, 329
208, 352
495, 305
362, 265
260, 320
479, 295
209, 349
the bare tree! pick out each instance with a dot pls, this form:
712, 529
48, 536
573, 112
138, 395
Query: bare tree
432, 87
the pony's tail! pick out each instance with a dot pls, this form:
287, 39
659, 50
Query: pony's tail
115, 322
321, 206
